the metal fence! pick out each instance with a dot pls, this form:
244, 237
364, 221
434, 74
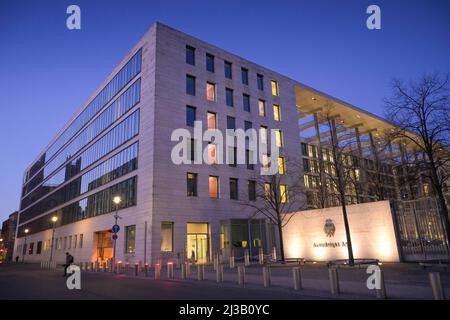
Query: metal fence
421, 231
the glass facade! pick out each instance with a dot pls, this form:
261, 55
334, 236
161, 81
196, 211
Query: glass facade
97, 204
120, 80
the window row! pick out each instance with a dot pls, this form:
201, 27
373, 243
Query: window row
228, 70
120, 80
97, 204
116, 110
120, 164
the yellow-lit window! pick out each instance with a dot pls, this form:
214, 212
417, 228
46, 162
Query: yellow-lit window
274, 85
279, 138
213, 187
283, 193
276, 112
281, 165
305, 177
211, 91
267, 191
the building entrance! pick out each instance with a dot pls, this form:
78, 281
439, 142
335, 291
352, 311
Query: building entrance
105, 245
197, 244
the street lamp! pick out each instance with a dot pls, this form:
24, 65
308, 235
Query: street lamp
54, 219
117, 200
25, 245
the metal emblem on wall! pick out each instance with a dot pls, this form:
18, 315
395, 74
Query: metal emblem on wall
329, 228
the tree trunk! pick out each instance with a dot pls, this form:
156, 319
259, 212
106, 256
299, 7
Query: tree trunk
280, 232
351, 260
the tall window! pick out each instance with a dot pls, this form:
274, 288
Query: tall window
231, 123
232, 156
211, 91
214, 187
190, 85
70, 242
244, 72
281, 165
212, 153
267, 190
130, 239
233, 189
228, 71
191, 184
274, 85
190, 116
39, 247
166, 236
262, 108
260, 81
249, 159
263, 134
190, 55
191, 149
31, 248
229, 97
283, 193
279, 138
247, 125
251, 190
209, 62
75, 240
246, 102
81, 241
212, 120
276, 112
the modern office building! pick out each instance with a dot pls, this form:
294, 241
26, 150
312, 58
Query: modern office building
8, 235
119, 145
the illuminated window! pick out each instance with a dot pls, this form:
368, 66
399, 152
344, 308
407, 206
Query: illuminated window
306, 180
262, 108
260, 81
212, 120
212, 153
276, 112
283, 193
229, 97
274, 85
213, 187
209, 62
166, 236
267, 190
228, 71
191, 184
263, 134
281, 165
190, 85
130, 239
190, 55
251, 190
233, 189
211, 91
279, 138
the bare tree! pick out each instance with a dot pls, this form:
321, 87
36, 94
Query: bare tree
277, 195
420, 111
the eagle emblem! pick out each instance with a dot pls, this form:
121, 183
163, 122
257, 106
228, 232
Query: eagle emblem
329, 228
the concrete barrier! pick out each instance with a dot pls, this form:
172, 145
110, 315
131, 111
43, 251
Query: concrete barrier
297, 278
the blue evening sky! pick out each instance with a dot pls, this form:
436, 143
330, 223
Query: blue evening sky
47, 72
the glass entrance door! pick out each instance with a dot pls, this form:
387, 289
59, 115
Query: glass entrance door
197, 242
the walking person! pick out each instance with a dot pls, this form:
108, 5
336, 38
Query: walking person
69, 261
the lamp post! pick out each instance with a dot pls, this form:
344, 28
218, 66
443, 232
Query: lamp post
117, 200
54, 219
24, 245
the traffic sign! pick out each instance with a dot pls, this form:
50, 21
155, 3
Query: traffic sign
114, 236
115, 228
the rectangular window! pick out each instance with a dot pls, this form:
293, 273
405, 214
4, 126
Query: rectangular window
191, 184
247, 125
262, 108
212, 120
65, 242
246, 102
276, 112
232, 156
212, 153
166, 236
228, 71
279, 138
209, 62
233, 189
281, 165
190, 55
81, 241
75, 240
229, 97
31, 248
251, 190
211, 92
190, 116
263, 134
244, 72
214, 187
130, 239
191, 149
70, 242
190, 85
39, 247
231, 123
260, 81
274, 85
248, 157
267, 190
283, 193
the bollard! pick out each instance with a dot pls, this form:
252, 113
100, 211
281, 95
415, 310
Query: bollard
241, 275
170, 270
200, 272
157, 271
216, 261
146, 270
110, 268
97, 267
297, 277
127, 267
274, 254
119, 267
188, 269
104, 266
261, 256
334, 280
92, 267
246, 257
183, 271
136, 269
86, 266
232, 261
436, 286
381, 293
219, 273
266, 276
